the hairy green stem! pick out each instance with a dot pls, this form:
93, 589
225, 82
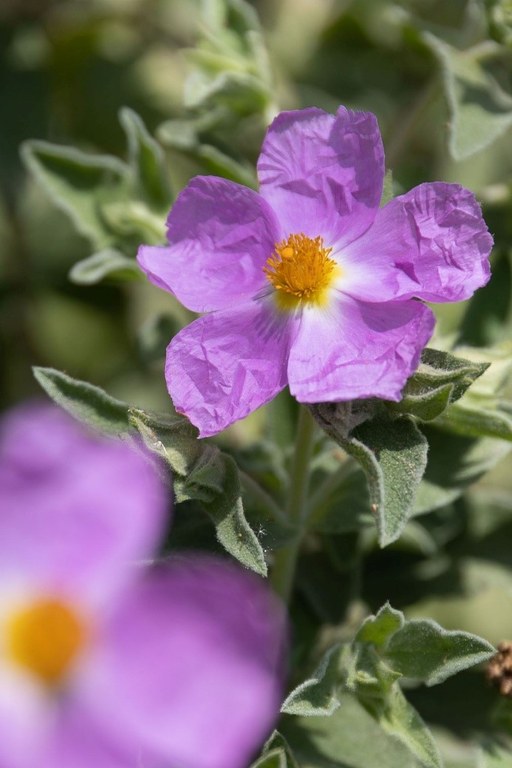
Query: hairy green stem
285, 562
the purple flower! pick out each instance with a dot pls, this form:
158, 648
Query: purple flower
104, 661
309, 283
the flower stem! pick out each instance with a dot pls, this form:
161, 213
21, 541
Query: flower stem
285, 562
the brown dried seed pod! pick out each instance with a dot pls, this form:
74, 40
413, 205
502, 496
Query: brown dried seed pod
499, 669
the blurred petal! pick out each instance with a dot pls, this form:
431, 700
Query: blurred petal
431, 243
226, 364
353, 350
322, 174
190, 669
220, 236
77, 510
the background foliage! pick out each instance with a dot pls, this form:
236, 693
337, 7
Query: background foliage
127, 99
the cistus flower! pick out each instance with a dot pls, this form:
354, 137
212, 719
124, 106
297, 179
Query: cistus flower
309, 283
106, 661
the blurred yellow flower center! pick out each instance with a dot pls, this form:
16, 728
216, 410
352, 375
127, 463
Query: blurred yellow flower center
45, 638
301, 271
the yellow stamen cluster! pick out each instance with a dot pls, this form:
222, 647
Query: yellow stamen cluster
44, 638
301, 271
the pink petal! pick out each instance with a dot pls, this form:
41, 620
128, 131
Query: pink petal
226, 364
77, 510
220, 236
357, 350
431, 243
322, 174
190, 671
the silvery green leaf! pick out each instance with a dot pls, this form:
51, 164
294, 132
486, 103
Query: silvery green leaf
87, 403
440, 379
474, 418
480, 110
79, 184
318, 695
350, 738
108, 263
399, 719
276, 754
147, 162
423, 650
203, 472
392, 454
377, 630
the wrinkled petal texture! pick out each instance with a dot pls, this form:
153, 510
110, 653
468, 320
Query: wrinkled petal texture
431, 243
191, 668
220, 236
226, 364
77, 510
323, 174
354, 350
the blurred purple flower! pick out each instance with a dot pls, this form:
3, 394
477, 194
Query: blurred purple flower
309, 283
106, 662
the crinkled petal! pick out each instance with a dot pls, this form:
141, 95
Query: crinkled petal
190, 669
431, 243
354, 350
77, 510
226, 364
322, 174
220, 236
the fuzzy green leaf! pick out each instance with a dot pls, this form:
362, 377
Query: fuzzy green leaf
200, 470
399, 719
378, 629
173, 438
233, 530
392, 454
79, 184
87, 403
350, 738
319, 694
467, 418
206, 474
425, 651
108, 263
276, 754
146, 161
441, 379
480, 110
